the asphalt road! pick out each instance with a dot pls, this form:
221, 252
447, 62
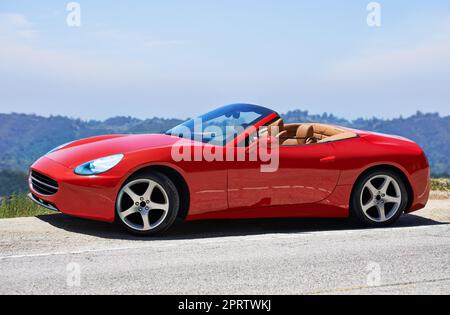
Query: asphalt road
63, 255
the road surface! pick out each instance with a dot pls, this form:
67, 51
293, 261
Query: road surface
62, 255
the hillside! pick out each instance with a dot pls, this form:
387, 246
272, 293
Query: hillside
24, 138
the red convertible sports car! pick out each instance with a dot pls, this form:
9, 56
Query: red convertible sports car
214, 167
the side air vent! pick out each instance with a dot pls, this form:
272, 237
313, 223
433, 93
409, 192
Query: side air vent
42, 184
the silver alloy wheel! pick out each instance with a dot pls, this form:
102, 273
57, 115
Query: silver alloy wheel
142, 204
381, 195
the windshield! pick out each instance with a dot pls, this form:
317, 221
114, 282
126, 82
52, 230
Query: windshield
222, 125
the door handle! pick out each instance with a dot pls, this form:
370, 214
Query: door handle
328, 159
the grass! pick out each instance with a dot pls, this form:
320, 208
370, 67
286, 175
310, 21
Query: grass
18, 205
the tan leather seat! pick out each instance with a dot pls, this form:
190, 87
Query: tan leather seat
304, 132
298, 134
328, 133
277, 129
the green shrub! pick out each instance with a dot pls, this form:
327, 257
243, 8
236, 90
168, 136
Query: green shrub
440, 184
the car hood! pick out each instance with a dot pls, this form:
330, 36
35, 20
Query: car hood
89, 149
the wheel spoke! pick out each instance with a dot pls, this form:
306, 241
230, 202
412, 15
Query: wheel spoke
392, 199
149, 191
369, 205
132, 194
159, 206
371, 188
129, 212
381, 212
385, 186
145, 220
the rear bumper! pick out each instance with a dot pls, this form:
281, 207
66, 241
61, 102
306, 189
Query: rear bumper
421, 186
91, 197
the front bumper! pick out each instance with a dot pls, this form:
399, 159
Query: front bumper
42, 202
91, 197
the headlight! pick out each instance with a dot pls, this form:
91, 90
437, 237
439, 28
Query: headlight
99, 166
59, 147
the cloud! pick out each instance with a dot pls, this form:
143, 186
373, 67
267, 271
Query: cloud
21, 59
417, 62
15, 20
21, 56
16, 25
429, 57
162, 43
389, 75
135, 39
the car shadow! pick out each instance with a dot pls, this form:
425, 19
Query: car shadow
221, 228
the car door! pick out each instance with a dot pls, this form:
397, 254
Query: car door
306, 174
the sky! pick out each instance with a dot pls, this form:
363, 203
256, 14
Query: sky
179, 58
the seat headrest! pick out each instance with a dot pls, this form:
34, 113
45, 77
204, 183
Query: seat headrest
304, 132
279, 125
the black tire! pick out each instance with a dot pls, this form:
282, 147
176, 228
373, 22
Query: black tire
356, 207
173, 199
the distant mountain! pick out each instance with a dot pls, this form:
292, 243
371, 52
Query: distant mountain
24, 138
12, 182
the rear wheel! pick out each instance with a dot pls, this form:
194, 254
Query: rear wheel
147, 204
379, 198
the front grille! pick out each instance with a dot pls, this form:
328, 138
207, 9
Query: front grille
42, 184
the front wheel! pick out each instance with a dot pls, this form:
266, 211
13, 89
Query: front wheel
379, 198
147, 204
